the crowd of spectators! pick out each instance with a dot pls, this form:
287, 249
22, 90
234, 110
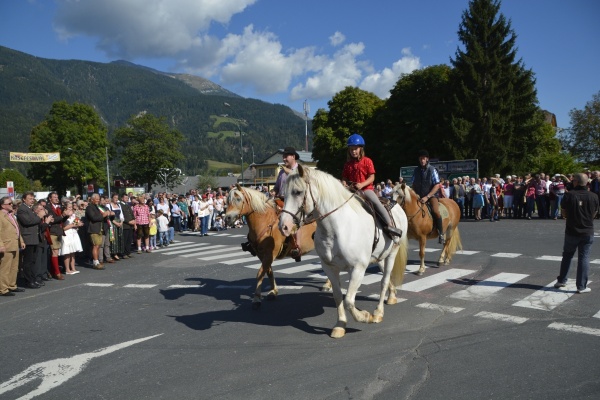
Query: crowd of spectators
58, 235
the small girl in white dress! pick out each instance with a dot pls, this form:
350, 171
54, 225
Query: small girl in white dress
71, 243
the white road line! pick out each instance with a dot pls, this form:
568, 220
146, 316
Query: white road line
375, 296
466, 252
185, 286
188, 249
205, 252
233, 254
249, 257
488, 287
99, 284
176, 246
596, 261
501, 317
321, 275
506, 255
549, 258
548, 298
435, 280
597, 315
429, 250
221, 234
372, 278
232, 287
236, 236
441, 308
139, 286
574, 328
287, 287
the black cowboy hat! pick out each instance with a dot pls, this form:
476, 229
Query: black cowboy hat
290, 150
423, 153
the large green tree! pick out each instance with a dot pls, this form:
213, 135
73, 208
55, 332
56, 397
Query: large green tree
350, 111
147, 145
583, 139
495, 113
20, 182
416, 116
76, 131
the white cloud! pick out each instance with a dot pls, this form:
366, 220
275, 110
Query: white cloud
337, 38
254, 60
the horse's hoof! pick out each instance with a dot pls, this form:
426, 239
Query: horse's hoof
326, 289
338, 333
391, 301
271, 296
440, 263
256, 305
419, 273
376, 319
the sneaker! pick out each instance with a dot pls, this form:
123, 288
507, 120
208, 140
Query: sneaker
148, 251
559, 285
139, 251
586, 290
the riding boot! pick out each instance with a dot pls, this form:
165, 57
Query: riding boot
440, 228
392, 230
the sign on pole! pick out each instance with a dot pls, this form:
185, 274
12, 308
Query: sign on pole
448, 169
11, 188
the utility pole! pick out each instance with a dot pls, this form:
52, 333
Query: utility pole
241, 143
306, 111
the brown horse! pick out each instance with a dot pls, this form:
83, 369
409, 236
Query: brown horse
421, 226
265, 238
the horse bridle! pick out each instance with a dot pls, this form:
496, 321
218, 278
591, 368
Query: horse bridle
309, 219
421, 209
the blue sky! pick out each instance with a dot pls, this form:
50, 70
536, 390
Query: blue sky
285, 52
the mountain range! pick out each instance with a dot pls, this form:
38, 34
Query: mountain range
117, 90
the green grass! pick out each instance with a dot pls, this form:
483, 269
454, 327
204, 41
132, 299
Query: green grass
217, 121
215, 165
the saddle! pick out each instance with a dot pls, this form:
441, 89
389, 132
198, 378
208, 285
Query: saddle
387, 204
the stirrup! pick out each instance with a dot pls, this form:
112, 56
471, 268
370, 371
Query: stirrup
442, 239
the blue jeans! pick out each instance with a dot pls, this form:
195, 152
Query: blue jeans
204, 222
461, 205
556, 205
529, 206
583, 244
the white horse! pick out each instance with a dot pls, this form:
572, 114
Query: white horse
347, 239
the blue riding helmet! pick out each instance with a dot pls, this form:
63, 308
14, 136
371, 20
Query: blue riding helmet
356, 140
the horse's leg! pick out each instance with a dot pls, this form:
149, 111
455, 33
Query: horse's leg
392, 299
339, 330
272, 295
385, 286
256, 301
356, 277
326, 286
422, 243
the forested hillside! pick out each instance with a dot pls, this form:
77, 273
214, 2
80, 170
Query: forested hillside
30, 85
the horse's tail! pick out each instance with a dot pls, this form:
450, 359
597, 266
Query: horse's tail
397, 276
455, 243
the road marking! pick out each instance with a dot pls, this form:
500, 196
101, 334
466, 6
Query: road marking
441, 308
550, 258
287, 287
188, 249
206, 251
233, 254
574, 328
488, 287
506, 255
139, 286
177, 245
99, 284
233, 287
283, 262
596, 261
249, 257
466, 252
548, 298
54, 373
375, 296
501, 317
429, 250
236, 236
186, 286
597, 315
435, 280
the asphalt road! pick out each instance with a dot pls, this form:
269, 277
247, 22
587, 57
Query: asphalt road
181, 326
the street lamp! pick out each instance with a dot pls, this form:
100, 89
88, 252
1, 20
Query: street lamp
241, 144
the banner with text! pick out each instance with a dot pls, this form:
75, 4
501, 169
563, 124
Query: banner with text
34, 157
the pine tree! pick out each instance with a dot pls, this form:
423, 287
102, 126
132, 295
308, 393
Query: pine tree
496, 117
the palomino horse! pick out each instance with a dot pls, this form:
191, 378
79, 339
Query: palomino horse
266, 240
347, 239
421, 227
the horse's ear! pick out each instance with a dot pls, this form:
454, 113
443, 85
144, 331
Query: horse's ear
238, 187
301, 170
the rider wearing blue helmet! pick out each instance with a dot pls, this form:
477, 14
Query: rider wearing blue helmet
359, 173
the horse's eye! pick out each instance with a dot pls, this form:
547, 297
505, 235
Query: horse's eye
296, 192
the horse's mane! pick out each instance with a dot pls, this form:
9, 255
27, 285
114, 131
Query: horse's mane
258, 200
331, 191
407, 193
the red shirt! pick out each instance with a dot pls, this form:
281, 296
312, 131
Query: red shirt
358, 171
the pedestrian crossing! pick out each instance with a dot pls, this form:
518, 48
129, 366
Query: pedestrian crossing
464, 288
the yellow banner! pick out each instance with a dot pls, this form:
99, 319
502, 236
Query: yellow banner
34, 157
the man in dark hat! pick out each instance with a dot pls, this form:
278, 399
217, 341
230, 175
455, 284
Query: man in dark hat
290, 163
426, 183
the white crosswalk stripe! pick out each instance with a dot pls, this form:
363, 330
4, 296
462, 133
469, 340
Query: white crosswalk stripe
436, 280
548, 298
488, 287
